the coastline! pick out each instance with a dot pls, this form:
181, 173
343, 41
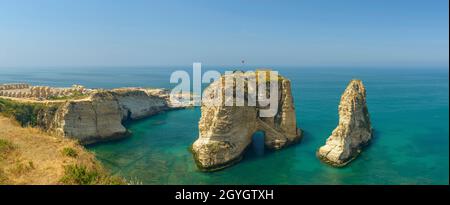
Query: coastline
160, 142
64, 122
99, 115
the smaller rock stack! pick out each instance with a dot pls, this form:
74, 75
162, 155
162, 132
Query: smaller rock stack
354, 130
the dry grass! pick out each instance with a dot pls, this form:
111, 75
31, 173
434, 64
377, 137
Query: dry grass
31, 156
5, 148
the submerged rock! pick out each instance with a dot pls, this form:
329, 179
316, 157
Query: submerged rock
226, 131
354, 130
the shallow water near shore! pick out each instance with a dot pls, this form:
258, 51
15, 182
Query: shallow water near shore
409, 110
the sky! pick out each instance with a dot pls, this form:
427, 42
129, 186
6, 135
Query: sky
224, 32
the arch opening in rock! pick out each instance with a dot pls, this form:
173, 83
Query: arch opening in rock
257, 147
225, 132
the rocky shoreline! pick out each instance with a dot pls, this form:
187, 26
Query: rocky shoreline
98, 116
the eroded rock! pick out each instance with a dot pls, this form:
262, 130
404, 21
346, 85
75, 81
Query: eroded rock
354, 130
136, 103
100, 116
226, 131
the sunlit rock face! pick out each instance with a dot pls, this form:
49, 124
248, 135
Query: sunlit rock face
226, 131
95, 119
354, 130
100, 116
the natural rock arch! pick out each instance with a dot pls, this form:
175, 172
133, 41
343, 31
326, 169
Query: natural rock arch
226, 131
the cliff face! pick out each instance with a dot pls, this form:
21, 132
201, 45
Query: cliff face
226, 131
354, 130
137, 103
100, 117
88, 121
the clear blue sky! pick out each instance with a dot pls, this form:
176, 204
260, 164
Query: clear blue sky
222, 32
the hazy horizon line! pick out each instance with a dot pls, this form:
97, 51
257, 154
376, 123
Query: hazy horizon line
374, 66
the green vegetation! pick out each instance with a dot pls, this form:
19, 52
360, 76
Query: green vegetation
25, 113
69, 152
74, 96
80, 175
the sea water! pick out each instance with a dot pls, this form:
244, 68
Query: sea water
409, 109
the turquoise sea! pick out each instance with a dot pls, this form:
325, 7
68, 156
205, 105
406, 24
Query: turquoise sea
409, 109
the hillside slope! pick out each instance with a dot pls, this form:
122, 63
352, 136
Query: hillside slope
31, 156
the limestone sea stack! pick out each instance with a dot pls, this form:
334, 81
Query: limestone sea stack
354, 130
226, 131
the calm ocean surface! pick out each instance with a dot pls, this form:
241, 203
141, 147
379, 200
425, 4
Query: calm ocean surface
409, 110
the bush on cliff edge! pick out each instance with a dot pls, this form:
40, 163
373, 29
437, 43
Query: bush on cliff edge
80, 175
25, 113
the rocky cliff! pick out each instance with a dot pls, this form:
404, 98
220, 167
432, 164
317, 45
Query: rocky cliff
354, 130
100, 116
137, 103
226, 131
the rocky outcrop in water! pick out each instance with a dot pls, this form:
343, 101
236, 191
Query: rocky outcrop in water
354, 130
226, 131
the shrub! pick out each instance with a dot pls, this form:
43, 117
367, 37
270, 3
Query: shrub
80, 175
74, 174
75, 95
69, 152
25, 113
